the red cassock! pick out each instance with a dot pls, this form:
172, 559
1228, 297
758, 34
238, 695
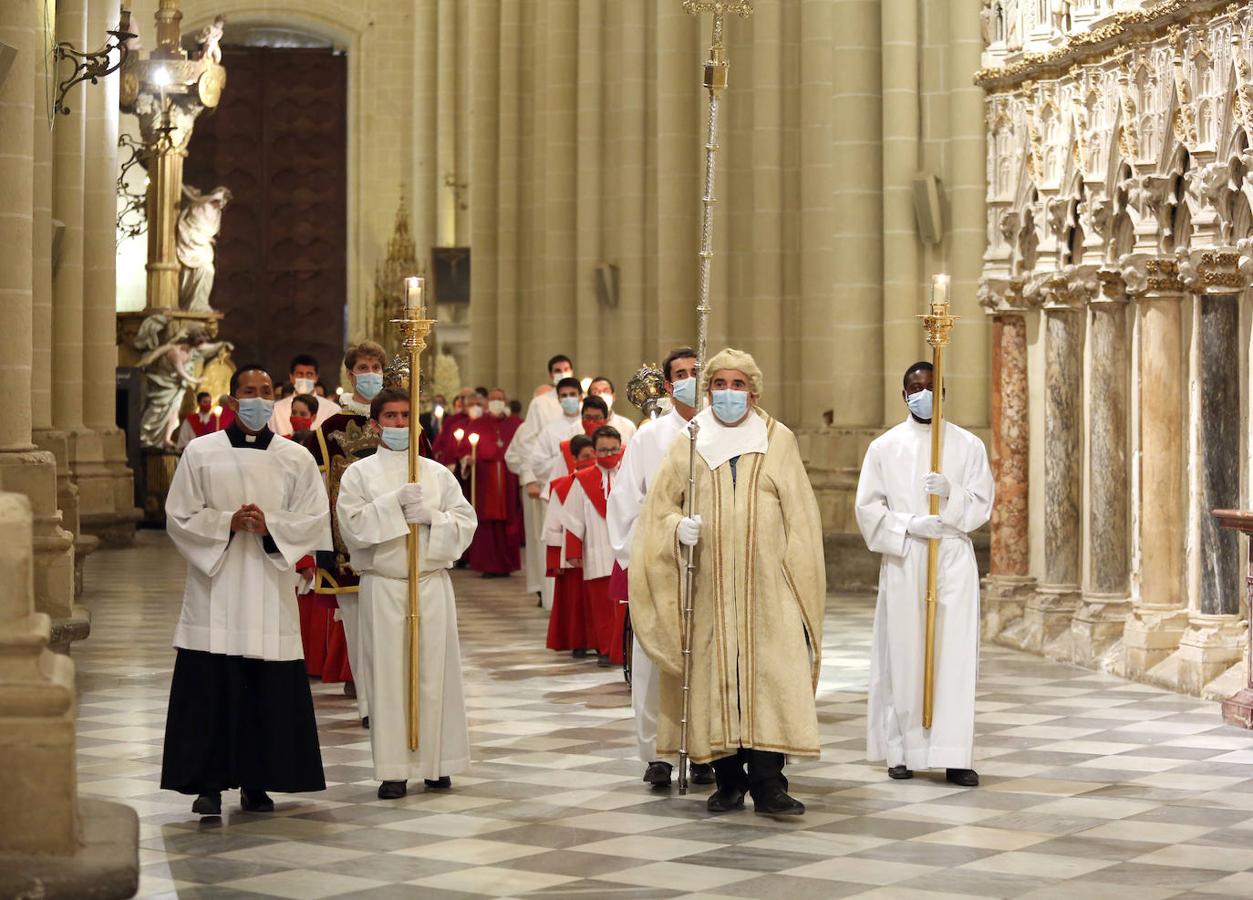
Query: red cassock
569, 626
497, 543
448, 450
214, 423
606, 626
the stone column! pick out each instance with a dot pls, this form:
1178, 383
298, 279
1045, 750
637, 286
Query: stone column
105, 484
1158, 616
1049, 610
1009, 582
23, 468
1099, 621
1215, 637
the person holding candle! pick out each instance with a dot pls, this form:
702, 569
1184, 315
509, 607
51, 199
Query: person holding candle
496, 549
376, 505
893, 513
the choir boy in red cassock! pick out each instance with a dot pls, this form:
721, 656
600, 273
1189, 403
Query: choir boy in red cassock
583, 515
496, 548
569, 625
204, 419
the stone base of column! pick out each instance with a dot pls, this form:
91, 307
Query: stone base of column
50, 846
33, 473
1151, 635
1097, 625
1209, 646
106, 488
1045, 618
1004, 598
63, 445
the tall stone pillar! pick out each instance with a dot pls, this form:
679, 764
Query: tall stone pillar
1215, 637
1158, 616
1009, 582
24, 468
105, 485
1099, 621
1049, 610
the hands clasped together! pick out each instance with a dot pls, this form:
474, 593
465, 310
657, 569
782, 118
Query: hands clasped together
250, 519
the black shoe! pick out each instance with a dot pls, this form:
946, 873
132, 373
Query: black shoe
365, 722
725, 800
209, 804
494, 575
350, 689
900, 773
962, 777
658, 774
602, 660
702, 773
579, 654
442, 783
776, 802
393, 790
255, 801
539, 598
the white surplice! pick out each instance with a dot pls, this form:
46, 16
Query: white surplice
239, 599
889, 494
374, 529
640, 462
625, 427
547, 460
543, 409
581, 518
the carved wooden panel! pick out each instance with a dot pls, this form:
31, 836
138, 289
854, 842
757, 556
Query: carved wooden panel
279, 142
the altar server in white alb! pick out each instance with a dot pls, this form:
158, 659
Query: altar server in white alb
376, 505
244, 507
640, 462
892, 512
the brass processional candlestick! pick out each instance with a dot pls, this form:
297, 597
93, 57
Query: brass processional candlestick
414, 328
938, 323
715, 81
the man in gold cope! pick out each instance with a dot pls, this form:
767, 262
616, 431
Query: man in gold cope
760, 590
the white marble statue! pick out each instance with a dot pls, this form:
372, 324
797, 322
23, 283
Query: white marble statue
209, 40
198, 225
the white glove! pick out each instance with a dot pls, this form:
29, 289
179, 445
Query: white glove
413, 505
936, 484
689, 530
927, 527
305, 583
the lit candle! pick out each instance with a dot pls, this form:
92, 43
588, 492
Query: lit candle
474, 439
414, 288
439, 412
939, 290
459, 434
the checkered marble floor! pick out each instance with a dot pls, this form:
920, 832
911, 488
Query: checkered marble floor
1092, 786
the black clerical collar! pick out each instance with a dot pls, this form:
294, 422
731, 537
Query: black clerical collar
241, 440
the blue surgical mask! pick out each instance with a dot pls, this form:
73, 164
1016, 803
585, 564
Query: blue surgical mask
396, 438
255, 412
685, 391
730, 406
369, 384
570, 405
920, 404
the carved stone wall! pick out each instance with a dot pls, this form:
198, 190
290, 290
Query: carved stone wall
1118, 176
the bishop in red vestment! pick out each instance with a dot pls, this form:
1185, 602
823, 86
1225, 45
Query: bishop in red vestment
496, 548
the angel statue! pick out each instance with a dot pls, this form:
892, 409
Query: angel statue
199, 222
170, 354
209, 40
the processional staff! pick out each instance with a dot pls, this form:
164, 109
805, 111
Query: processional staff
938, 324
715, 81
414, 328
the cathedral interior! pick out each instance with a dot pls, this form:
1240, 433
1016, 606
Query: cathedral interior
230, 181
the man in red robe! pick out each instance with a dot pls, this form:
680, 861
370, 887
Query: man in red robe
496, 548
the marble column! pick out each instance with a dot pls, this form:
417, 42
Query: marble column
105, 484
24, 468
1215, 637
1158, 615
1099, 621
1049, 610
1009, 581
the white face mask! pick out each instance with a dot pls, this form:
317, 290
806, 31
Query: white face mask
304, 385
474, 410
496, 407
560, 375
608, 398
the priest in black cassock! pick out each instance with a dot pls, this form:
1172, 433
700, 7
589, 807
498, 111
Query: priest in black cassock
243, 508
